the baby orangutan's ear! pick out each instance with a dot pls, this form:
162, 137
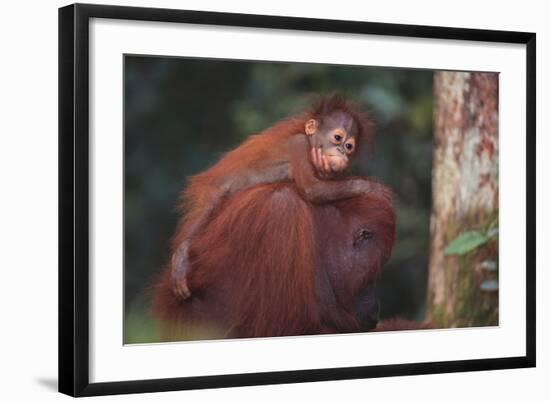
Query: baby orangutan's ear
311, 126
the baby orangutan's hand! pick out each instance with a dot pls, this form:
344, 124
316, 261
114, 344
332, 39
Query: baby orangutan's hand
179, 269
320, 163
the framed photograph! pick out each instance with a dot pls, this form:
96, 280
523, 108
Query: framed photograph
251, 199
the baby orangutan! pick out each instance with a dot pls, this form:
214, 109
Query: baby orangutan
311, 150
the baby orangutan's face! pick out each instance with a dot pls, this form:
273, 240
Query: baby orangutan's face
336, 139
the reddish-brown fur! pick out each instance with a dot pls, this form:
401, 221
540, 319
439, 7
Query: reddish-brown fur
269, 264
267, 147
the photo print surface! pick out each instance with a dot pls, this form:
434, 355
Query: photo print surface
271, 199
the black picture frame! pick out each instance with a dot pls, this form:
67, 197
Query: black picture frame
74, 198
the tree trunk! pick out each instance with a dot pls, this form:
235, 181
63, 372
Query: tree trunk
463, 278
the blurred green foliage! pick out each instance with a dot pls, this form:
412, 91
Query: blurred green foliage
181, 114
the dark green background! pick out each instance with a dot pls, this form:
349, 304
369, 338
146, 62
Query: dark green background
181, 114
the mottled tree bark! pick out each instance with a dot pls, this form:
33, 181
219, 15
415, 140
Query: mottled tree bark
465, 198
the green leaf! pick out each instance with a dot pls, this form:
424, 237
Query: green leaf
466, 242
493, 232
489, 285
490, 265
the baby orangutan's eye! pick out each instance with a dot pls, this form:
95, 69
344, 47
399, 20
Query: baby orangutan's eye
338, 137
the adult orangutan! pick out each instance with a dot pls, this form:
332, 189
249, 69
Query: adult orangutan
269, 263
